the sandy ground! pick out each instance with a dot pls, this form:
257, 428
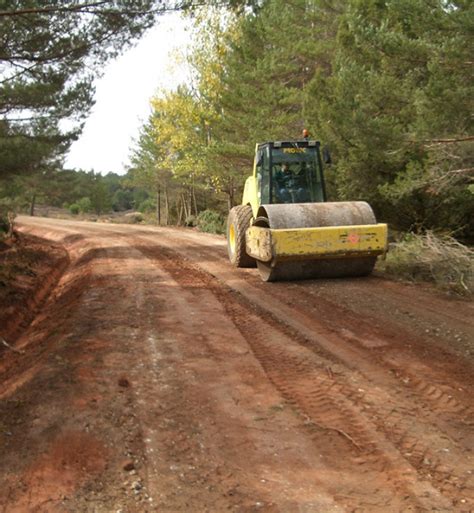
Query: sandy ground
155, 377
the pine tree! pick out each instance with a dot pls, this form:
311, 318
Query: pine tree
50, 53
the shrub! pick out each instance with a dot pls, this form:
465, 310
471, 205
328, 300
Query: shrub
147, 206
191, 221
74, 208
211, 221
7, 215
433, 258
4, 225
85, 205
133, 218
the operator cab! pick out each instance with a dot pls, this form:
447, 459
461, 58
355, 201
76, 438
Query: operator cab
289, 172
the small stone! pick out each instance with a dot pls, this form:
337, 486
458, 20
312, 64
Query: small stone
123, 382
137, 486
128, 465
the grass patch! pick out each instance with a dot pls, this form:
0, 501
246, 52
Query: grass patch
441, 260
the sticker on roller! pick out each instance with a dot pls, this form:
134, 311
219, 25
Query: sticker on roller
353, 238
357, 238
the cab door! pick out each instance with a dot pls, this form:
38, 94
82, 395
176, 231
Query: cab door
263, 175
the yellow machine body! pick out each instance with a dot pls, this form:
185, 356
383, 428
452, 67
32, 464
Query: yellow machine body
266, 244
300, 239
251, 196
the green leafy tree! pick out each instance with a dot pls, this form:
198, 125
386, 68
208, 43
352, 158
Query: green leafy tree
387, 84
147, 170
48, 69
101, 199
122, 200
85, 205
399, 90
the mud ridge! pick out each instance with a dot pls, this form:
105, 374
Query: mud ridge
22, 314
34, 339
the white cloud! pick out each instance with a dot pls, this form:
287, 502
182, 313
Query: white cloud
123, 96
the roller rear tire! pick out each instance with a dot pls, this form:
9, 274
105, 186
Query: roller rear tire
238, 221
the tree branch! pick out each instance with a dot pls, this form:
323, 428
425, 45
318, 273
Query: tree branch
450, 141
53, 9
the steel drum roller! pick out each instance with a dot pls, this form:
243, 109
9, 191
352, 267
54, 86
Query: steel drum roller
312, 215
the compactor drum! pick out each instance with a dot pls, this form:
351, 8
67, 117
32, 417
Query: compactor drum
286, 227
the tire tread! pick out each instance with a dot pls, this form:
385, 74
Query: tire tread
240, 216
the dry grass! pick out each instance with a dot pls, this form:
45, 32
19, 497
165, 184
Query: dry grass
438, 259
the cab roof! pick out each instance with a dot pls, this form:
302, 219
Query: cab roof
289, 144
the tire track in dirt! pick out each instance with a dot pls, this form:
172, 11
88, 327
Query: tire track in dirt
449, 469
439, 398
358, 355
446, 410
436, 308
445, 470
385, 290
206, 479
307, 383
364, 407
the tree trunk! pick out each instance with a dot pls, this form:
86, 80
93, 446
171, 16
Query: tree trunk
11, 219
180, 203
167, 206
158, 205
195, 201
185, 206
32, 204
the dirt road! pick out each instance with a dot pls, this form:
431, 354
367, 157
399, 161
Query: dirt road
155, 377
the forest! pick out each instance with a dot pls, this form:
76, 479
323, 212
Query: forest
386, 85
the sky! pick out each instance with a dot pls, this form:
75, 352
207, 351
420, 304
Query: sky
123, 95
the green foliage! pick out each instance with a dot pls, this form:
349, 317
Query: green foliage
63, 188
399, 84
48, 69
9, 206
211, 221
85, 205
5, 217
434, 192
387, 85
74, 208
147, 206
122, 200
100, 197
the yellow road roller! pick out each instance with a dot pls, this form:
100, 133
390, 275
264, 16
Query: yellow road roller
287, 229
